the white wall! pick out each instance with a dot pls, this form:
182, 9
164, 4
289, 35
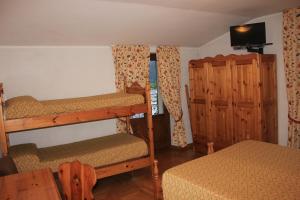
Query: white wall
221, 45
50, 72
186, 54
58, 72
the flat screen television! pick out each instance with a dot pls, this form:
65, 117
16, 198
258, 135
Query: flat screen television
248, 35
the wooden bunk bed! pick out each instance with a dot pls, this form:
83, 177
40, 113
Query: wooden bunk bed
29, 121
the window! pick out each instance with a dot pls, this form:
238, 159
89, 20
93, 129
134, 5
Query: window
156, 101
153, 84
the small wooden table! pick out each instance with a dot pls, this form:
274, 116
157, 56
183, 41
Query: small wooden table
33, 185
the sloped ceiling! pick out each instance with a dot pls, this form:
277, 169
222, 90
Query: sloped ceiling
99, 22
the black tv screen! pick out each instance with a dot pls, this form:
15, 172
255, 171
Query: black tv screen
248, 35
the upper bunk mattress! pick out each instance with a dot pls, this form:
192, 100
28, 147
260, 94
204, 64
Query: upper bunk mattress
247, 170
95, 152
27, 106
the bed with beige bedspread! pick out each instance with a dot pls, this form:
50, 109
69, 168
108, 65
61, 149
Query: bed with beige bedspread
248, 170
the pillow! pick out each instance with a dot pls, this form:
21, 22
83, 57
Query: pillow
25, 157
22, 106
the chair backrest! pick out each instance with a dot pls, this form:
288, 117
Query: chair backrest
77, 180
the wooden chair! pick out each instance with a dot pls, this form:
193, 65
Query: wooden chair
77, 180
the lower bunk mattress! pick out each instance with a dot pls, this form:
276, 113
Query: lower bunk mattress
247, 170
95, 152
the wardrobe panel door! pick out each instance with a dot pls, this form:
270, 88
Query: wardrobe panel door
198, 77
246, 97
199, 123
244, 124
198, 95
220, 108
269, 129
244, 91
269, 99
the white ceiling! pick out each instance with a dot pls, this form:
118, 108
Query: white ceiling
99, 22
247, 8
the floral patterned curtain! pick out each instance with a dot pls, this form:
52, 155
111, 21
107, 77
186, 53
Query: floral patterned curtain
291, 51
131, 65
168, 60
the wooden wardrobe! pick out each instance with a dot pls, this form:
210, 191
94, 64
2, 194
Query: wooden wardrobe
233, 98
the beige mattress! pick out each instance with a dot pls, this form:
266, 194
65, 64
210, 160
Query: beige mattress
96, 152
27, 106
248, 170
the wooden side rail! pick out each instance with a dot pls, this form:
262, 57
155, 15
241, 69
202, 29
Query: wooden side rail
122, 167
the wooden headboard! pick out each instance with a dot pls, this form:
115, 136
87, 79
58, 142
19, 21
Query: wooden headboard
135, 88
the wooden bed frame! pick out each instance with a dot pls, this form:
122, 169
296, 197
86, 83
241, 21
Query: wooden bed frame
14, 125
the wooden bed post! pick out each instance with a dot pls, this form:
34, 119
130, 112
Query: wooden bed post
154, 168
156, 180
3, 137
149, 123
128, 126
